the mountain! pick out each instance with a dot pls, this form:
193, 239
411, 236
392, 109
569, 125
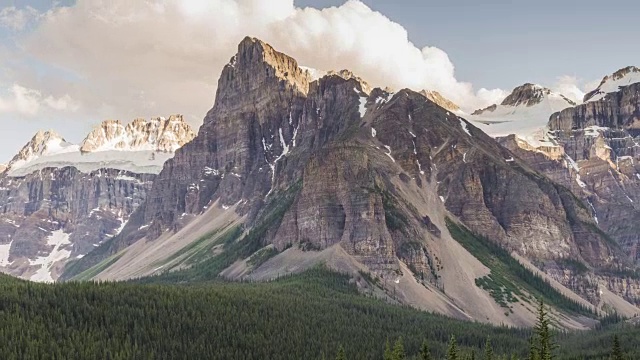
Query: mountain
614, 82
525, 112
60, 200
141, 146
289, 171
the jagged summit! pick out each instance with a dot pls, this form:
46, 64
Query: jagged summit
611, 83
111, 145
157, 134
440, 100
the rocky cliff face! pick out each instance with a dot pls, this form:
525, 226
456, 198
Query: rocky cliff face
59, 200
316, 164
54, 216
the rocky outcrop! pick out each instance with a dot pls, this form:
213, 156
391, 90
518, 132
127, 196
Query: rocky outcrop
443, 102
489, 108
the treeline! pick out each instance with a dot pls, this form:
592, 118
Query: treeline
299, 317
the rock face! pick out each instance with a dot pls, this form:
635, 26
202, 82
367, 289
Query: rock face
319, 163
60, 200
57, 215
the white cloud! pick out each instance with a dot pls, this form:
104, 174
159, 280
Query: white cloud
28, 102
17, 19
569, 86
64, 103
141, 58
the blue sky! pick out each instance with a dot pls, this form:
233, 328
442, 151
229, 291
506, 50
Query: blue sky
67, 65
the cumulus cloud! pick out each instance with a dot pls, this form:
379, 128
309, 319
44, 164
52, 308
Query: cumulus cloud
141, 58
17, 19
28, 102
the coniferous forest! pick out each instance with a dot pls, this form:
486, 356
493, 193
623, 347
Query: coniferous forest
314, 315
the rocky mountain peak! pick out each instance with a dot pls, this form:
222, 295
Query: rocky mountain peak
254, 54
610, 83
440, 100
157, 134
42, 143
527, 95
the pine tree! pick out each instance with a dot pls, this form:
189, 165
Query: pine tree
616, 351
488, 350
452, 353
341, 355
388, 354
544, 345
533, 354
425, 353
398, 350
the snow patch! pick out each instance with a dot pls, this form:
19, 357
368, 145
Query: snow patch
464, 127
57, 239
373, 132
388, 153
4, 254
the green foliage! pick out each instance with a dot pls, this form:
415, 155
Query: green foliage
542, 341
452, 352
398, 350
488, 351
296, 317
508, 276
262, 256
341, 355
425, 352
616, 351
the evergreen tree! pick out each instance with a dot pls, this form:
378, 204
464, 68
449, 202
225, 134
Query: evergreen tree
398, 350
473, 355
425, 353
388, 354
533, 354
544, 345
616, 351
488, 350
452, 353
341, 355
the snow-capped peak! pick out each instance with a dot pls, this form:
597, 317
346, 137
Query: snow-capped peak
530, 95
612, 83
43, 143
525, 112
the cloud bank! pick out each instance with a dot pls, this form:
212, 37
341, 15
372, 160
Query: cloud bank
121, 58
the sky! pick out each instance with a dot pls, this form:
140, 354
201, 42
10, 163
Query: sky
67, 65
